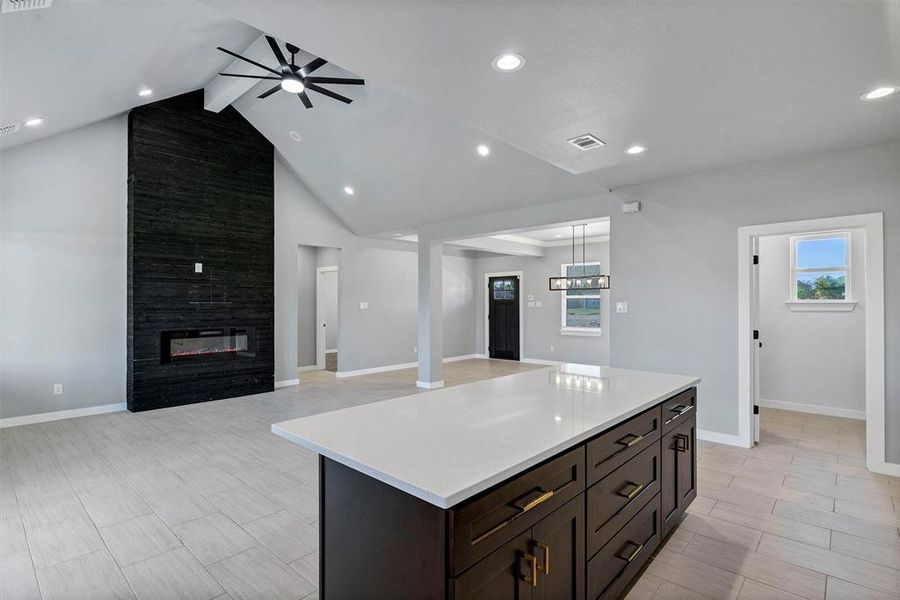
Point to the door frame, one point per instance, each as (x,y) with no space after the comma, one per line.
(320,313)
(872,225)
(487,310)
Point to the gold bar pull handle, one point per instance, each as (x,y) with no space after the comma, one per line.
(531,578)
(630,557)
(524,504)
(630,440)
(544,566)
(635,490)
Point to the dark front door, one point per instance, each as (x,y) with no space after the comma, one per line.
(503,317)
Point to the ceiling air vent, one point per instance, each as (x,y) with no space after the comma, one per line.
(587,142)
(7,130)
(10,6)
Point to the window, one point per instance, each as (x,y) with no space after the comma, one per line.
(581,308)
(820,267)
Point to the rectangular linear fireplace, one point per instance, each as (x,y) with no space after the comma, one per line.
(222,343)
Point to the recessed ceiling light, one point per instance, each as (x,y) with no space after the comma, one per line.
(34,122)
(145,92)
(292,84)
(558,235)
(349,190)
(507,63)
(295,135)
(879,92)
(636,149)
(483,149)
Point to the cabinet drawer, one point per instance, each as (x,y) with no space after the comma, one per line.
(613,501)
(613,567)
(679,408)
(617,446)
(483,524)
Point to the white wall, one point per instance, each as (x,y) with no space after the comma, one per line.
(542,324)
(63,233)
(811,358)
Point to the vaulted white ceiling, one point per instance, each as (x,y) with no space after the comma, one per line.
(79,62)
(701,84)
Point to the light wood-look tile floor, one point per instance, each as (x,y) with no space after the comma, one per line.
(195,502)
(796,517)
(203,502)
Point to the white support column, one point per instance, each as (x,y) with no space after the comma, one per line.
(431,315)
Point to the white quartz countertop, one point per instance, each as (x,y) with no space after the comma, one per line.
(447,445)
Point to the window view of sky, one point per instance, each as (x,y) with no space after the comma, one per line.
(829,252)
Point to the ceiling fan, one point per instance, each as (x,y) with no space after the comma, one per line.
(294,79)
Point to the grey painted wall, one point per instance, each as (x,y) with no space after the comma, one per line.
(814,358)
(63,209)
(675,263)
(381,273)
(542,324)
(307,258)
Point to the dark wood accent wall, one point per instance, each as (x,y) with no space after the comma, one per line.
(200,190)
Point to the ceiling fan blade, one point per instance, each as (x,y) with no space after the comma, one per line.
(249,76)
(279,55)
(329,93)
(312,66)
(270,92)
(305,99)
(252,62)
(340,80)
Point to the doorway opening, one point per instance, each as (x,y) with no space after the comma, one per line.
(318,339)
(811,335)
(503,315)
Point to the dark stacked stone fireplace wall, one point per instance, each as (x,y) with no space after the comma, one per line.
(200,190)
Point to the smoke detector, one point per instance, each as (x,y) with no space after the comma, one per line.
(7,130)
(586,142)
(10,6)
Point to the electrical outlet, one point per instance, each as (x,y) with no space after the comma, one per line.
(415,349)
(57,389)
(552,348)
(363,306)
(621,307)
(531,304)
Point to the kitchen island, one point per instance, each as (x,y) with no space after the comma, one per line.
(552,483)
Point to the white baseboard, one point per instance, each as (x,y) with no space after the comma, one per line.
(541,361)
(398,367)
(430,385)
(330,350)
(720,438)
(885,468)
(286,383)
(847,413)
(61,414)
(309,368)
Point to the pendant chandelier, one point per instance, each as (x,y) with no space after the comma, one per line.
(584,281)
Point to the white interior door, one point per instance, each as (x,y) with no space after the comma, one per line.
(756,338)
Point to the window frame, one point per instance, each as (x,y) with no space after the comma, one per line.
(794,270)
(564,295)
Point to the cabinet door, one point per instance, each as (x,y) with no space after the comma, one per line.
(558,544)
(669,457)
(500,575)
(687,464)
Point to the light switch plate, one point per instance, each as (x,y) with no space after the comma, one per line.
(57,389)
(631,207)
(198,267)
(363,305)
(621,307)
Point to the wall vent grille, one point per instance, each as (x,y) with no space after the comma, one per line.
(586,142)
(10,6)
(7,130)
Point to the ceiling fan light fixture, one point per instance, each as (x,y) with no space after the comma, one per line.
(292,84)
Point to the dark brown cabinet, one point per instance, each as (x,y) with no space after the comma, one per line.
(581,524)
(679,472)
